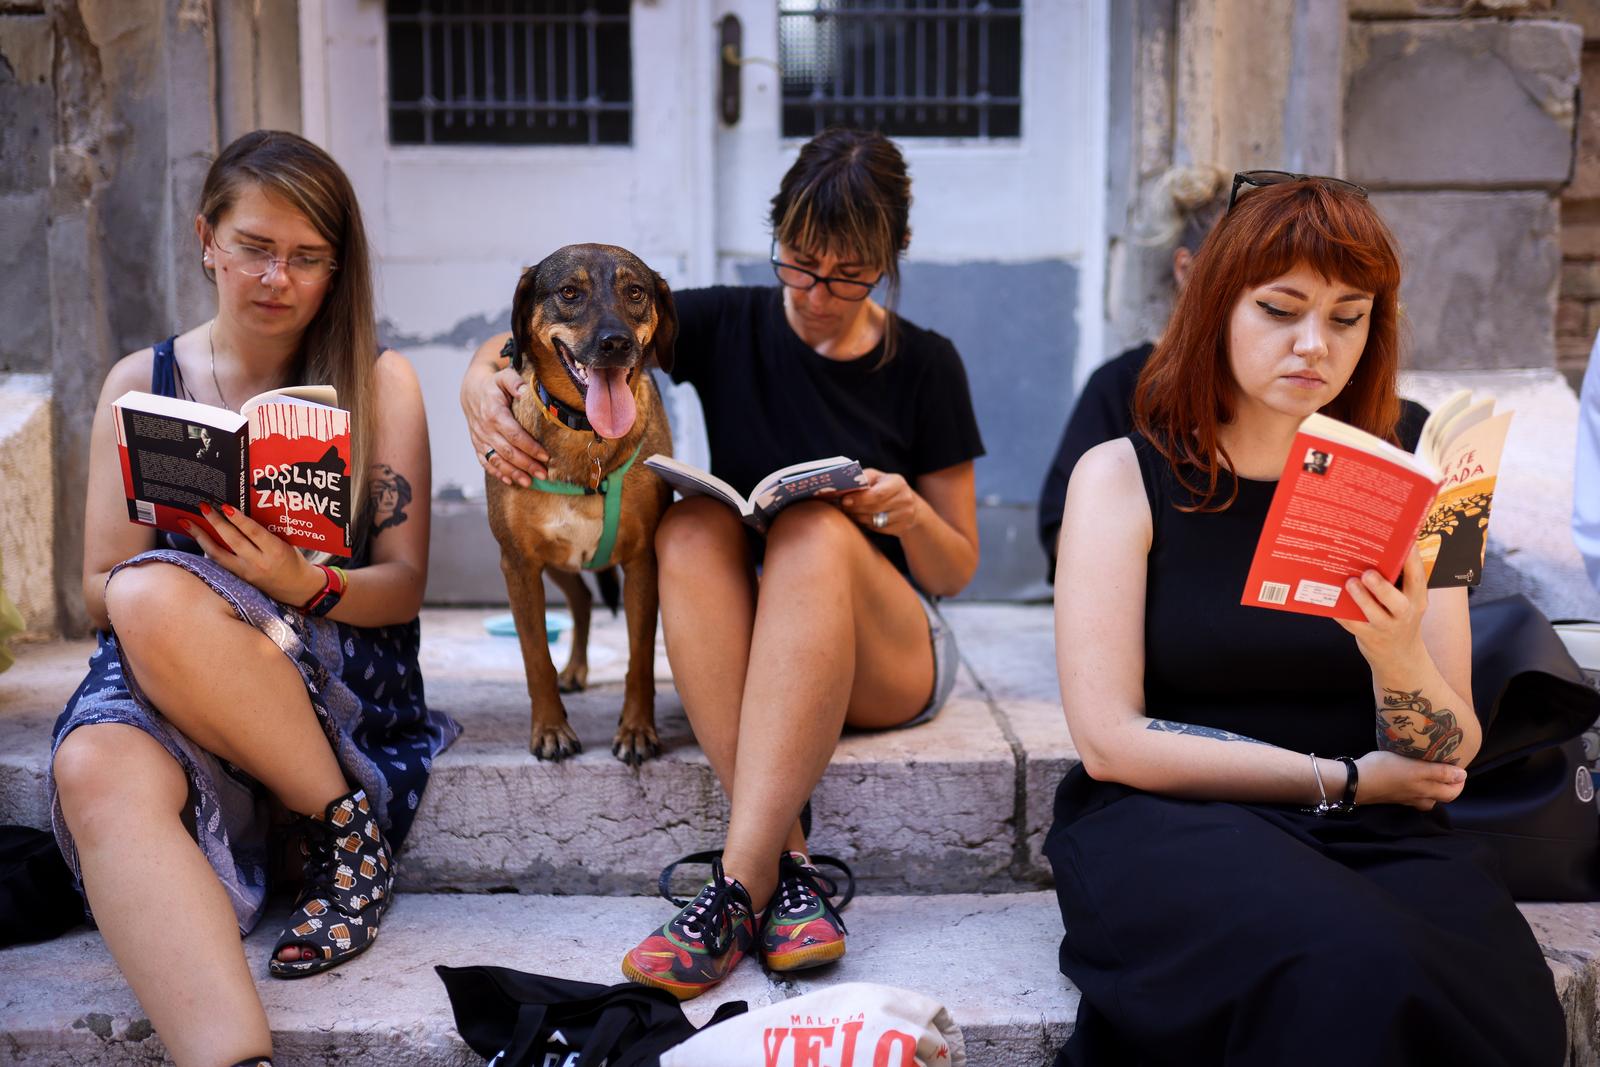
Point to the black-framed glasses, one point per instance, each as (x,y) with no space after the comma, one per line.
(1257,179)
(258,263)
(795,277)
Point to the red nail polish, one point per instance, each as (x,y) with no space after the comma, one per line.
(229,509)
(205,509)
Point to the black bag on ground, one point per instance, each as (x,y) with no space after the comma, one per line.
(516,1019)
(1529,796)
(37,897)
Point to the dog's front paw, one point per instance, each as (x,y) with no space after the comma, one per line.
(555,742)
(635,744)
(573,677)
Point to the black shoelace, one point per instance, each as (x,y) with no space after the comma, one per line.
(322,858)
(706,919)
(802,887)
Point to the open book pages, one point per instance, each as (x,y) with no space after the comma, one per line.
(800,481)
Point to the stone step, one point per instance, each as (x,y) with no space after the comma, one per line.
(65,1002)
(958,805)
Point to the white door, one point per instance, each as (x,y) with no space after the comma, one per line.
(481,134)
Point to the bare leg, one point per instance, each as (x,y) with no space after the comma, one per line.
(191,671)
(828,602)
(266,727)
(708,610)
(164,915)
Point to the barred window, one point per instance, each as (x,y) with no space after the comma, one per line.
(509,72)
(909,68)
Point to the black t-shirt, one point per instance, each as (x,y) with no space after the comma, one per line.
(1104,412)
(770,400)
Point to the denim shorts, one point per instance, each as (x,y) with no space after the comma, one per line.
(946,661)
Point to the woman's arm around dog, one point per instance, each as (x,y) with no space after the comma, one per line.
(1100,595)
(487,390)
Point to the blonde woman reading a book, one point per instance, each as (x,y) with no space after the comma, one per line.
(1249,861)
(778,642)
(233,673)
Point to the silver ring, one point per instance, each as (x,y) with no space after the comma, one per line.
(880,520)
(487,456)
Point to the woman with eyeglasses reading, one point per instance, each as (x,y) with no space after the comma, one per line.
(236,674)
(1249,862)
(776,644)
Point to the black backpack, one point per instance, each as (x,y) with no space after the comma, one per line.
(1529,796)
(515,1019)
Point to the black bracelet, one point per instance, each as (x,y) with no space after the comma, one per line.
(1347,803)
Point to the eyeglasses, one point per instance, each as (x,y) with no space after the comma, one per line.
(794,277)
(258,263)
(1257,179)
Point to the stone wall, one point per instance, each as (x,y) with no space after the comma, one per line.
(1578,312)
(1462,127)
(110,113)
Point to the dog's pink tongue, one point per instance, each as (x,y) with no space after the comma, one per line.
(609,402)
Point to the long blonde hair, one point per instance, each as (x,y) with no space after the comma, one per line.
(340,345)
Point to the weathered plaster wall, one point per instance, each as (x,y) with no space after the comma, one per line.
(109,117)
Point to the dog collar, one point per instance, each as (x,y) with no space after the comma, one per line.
(610,490)
(567,415)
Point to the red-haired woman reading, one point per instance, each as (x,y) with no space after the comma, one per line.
(1249,861)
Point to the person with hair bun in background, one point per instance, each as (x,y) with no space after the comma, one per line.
(1193,198)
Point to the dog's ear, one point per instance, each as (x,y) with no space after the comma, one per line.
(665,339)
(521,309)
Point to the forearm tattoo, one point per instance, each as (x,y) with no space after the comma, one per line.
(1409,724)
(1166,726)
(388,496)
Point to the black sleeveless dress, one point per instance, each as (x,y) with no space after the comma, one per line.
(1209,932)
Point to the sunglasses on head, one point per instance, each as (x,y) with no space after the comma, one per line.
(1258,179)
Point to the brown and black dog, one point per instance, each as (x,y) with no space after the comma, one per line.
(585,323)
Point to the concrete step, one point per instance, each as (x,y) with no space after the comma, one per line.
(65,1002)
(958,805)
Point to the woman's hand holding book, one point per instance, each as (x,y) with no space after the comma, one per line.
(257,555)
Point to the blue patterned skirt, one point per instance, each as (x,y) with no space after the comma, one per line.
(364,685)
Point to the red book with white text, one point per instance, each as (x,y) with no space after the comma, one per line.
(283,459)
(1348,502)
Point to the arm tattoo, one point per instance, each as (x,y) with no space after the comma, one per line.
(1409,725)
(1166,726)
(389,494)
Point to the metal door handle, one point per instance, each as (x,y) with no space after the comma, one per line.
(731,32)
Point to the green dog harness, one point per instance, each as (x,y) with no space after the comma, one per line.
(611,491)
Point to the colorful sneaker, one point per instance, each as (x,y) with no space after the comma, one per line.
(701,944)
(802,928)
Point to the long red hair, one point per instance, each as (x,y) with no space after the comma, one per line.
(1186,391)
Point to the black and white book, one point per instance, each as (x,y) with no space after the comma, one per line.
(802,481)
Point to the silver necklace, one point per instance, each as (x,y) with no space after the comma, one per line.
(211,343)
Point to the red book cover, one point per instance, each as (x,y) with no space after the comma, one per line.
(1339,509)
(285,462)
(299,459)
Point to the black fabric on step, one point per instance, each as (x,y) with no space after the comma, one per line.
(37,897)
(1529,797)
(524,1018)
